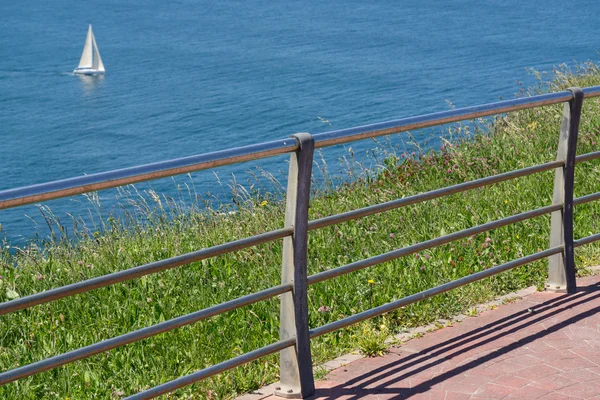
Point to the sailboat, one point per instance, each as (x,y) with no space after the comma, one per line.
(90,63)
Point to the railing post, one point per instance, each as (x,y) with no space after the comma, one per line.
(296,375)
(561,267)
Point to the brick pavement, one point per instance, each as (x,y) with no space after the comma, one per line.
(545,346)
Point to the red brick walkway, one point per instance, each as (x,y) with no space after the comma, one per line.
(545,346)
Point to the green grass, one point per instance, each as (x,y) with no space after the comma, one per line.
(157,227)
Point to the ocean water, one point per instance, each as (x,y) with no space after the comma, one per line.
(187,77)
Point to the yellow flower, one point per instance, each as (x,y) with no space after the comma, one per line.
(517,236)
(371,282)
(263,203)
(505,201)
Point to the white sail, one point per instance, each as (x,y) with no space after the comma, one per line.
(97,60)
(86,57)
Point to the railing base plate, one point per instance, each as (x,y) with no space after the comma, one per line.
(555,289)
(287,392)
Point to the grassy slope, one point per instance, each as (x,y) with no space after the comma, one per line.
(516,141)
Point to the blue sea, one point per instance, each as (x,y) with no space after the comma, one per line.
(187,77)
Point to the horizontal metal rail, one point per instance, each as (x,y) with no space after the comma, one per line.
(369,262)
(586,240)
(587,157)
(110,179)
(213,370)
(109,344)
(356,318)
(592,91)
(434,194)
(136,272)
(586,199)
(438,118)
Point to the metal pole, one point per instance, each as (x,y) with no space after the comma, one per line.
(296,376)
(561,267)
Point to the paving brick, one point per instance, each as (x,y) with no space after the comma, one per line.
(555,382)
(525,361)
(539,346)
(506,367)
(492,391)
(430,395)
(582,375)
(537,372)
(565,344)
(592,355)
(529,392)
(511,381)
(557,396)
(583,390)
(460,387)
(569,364)
(582,333)
(457,396)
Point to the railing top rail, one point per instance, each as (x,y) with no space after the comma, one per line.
(592,91)
(126,176)
(438,118)
(110,179)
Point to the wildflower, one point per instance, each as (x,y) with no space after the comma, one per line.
(517,236)
(417,255)
(488,240)
(39,277)
(505,201)
(422,268)
(427,256)
(149,299)
(392,235)
(371,282)
(324,309)
(79,262)
(263,203)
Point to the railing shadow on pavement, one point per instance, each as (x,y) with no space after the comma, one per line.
(381,380)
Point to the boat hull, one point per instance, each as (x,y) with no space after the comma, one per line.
(87,71)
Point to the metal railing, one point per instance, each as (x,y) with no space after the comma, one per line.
(294,345)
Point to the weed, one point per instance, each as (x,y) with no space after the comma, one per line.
(372,338)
